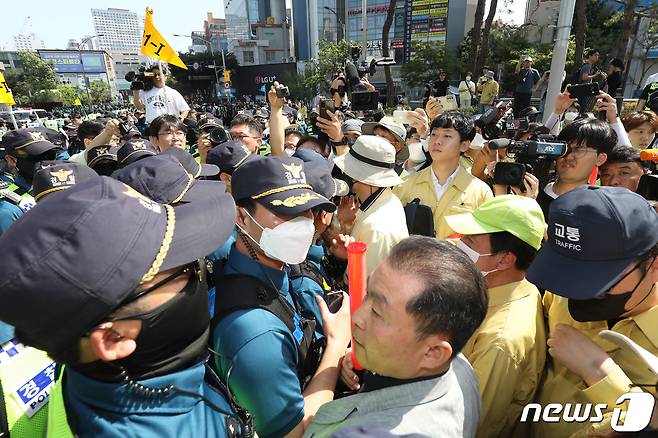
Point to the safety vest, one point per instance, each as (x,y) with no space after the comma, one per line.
(51,124)
(27,376)
(16,195)
(58,425)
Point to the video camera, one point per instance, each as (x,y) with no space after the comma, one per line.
(361,99)
(533,156)
(142,80)
(499,122)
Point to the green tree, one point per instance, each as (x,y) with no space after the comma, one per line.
(428,59)
(331,60)
(35,76)
(68,94)
(100,92)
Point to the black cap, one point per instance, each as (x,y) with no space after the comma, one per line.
(100,153)
(209,123)
(318,174)
(190,164)
(68,264)
(279,184)
(53,176)
(229,155)
(594,235)
(132,151)
(28,141)
(163,179)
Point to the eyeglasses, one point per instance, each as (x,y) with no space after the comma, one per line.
(580,151)
(170,133)
(241,136)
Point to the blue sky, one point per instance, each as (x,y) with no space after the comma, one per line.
(58,21)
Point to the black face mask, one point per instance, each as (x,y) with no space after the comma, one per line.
(609,307)
(26,166)
(173,337)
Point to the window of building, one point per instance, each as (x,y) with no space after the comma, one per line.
(248,56)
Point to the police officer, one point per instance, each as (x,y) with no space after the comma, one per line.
(131,279)
(134,150)
(266,352)
(309,278)
(24,148)
(55,176)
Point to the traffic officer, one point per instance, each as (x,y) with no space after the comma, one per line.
(131,280)
(266,351)
(24,148)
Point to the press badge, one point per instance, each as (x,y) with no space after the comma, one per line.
(34,394)
(299,332)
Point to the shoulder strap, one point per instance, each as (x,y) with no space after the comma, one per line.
(238,292)
(309,270)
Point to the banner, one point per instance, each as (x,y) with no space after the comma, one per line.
(5,92)
(154,44)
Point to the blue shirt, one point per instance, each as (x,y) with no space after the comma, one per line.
(101,409)
(9,213)
(258,356)
(305,290)
(221,254)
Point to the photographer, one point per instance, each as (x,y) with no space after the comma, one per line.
(156,98)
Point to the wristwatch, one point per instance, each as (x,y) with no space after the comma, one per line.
(341,142)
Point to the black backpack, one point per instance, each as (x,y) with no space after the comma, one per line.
(240,291)
(420,219)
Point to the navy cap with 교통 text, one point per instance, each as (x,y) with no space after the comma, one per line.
(594,235)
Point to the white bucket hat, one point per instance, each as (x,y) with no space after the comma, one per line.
(397,129)
(371,160)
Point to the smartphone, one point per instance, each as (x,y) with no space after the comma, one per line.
(448,103)
(401,116)
(326,105)
(282,92)
(583,90)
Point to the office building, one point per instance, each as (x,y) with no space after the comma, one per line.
(28,42)
(215,31)
(121,30)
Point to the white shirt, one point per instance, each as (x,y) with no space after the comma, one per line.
(440,189)
(159,101)
(549,190)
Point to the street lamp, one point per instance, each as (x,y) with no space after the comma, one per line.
(212,54)
(340,20)
(84,73)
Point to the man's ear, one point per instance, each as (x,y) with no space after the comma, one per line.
(108,345)
(464,146)
(240,218)
(508,261)
(438,353)
(10,160)
(601,158)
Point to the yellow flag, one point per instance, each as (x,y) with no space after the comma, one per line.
(5,92)
(77,102)
(154,44)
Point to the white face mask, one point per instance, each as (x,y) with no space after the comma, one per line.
(416,153)
(288,242)
(474,255)
(570,116)
(289,152)
(468,78)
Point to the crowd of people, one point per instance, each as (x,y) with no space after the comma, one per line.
(181,272)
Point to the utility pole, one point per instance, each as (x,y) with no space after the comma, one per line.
(559,55)
(364,29)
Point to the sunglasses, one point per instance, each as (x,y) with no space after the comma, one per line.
(340,90)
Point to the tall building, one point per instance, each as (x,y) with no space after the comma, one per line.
(121,29)
(28,42)
(414,20)
(216,32)
(88,43)
(258,32)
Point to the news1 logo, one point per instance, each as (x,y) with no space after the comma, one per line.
(637,416)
